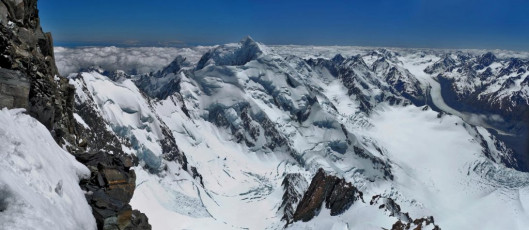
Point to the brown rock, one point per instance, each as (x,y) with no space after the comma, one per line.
(337,194)
(127,162)
(124,219)
(114,176)
(120,184)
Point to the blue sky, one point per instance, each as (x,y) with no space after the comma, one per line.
(402,23)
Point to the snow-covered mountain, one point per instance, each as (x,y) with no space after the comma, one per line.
(248,136)
(258,137)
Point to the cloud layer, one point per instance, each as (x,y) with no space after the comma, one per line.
(138,60)
(134,60)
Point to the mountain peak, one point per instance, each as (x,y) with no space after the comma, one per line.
(246,51)
(175,66)
(487,59)
(249,47)
(247,39)
(338,58)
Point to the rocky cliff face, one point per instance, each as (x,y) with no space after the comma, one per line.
(294,185)
(14,89)
(110,189)
(404,220)
(27,52)
(337,194)
(29,79)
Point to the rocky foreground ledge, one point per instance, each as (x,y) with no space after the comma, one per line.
(29,79)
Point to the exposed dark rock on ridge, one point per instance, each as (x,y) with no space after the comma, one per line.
(112,182)
(390,206)
(417,224)
(293,184)
(28,52)
(359,79)
(337,194)
(109,190)
(14,89)
(29,79)
(163,83)
(404,222)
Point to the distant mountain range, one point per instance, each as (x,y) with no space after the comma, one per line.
(249,136)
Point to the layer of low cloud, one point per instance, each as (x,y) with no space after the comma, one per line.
(138,60)
(133,60)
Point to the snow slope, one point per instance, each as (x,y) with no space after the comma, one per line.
(39,181)
(247,115)
(438,171)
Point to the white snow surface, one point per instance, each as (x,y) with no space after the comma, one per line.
(436,171)
(80,120)
(437,161)
(39,181)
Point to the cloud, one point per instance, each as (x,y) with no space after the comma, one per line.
(133,60)
(481,119)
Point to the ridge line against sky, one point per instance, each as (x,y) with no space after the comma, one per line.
(456,24)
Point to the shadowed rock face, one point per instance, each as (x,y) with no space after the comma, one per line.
(29,79)
(109,190)
(28,52)
(14,89)
(417,224)
(337,194)
(293,184)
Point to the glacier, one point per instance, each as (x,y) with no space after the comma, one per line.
(232,139)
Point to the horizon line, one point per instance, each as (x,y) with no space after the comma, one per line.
(161,44)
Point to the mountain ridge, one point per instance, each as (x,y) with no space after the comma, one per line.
(296,115)
(270,133)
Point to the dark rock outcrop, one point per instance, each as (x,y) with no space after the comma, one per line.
(417,224)
(446,63)
(27,50)
(293,184)
(360,79)
(389,205)
(112,181)
(163,83)
(109,190)
(486,59)
(337,194)
(14,89)
(404,222)
(29,79)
